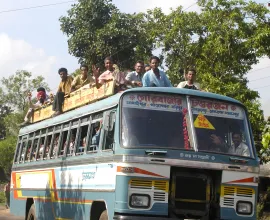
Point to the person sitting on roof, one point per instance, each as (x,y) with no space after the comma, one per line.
(155,77)
(42,99)
(63,90)
(83,79)
(112,73)
(190,83)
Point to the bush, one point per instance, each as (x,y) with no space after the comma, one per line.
(2,197)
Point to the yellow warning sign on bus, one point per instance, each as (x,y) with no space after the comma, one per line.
(202,122)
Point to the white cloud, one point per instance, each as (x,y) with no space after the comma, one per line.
(20,55)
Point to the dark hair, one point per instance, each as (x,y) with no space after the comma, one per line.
(146,65)
(237,133)
(191,70)
(41,89)
(140,62)
(154,58)
(62,70)
(85,66)
(108,58)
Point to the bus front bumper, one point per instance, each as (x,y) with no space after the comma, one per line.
(122,217)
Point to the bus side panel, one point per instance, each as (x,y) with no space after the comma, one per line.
(17,207)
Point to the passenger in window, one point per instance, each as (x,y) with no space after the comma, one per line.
(71,144)
(83,79)
(55,145)
(112,73)
(96,137)
(238,147)
(42,100)
(63,90)
(135,78)
(155,77)
(190,83)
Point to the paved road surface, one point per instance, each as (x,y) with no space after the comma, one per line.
(4,214)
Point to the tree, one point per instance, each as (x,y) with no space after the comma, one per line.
(97,29)
(7,149)
(222,42)
(15,88)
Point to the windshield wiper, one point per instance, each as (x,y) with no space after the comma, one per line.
(155,152)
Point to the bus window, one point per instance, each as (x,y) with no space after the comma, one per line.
(41,147)
(47,147)
(82,140)
(94,136)
(34,150)
(55,145)
(221,128)
(23,151)
(109,140)
(62,145)
(71,143)
(29,145)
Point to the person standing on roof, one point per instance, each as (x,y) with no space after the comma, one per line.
(190,81)
(135,78)
(64,89)
(155,77)
(83,79)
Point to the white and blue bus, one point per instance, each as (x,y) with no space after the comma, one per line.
(146,153)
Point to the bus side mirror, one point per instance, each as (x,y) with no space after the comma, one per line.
(109,119)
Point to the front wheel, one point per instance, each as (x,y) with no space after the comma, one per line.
(32,213)
(104,215)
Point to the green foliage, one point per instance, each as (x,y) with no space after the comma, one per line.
(7,149)
(265,150)
(2,197)
(15,88)
(222,42)
(97,29)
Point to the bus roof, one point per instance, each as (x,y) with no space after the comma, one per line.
(114,100)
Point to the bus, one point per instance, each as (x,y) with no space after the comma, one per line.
(145,153)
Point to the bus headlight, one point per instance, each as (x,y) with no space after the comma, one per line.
(139,201)
(244,208)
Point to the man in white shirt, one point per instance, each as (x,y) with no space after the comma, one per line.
(190,83)
(238,147)
(135,78)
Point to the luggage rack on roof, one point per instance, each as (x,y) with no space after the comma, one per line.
(78,98)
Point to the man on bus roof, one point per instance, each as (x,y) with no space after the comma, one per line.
(42,99)
(190,83)
(64,89)
(135,78)
(112,73)
(83,79)
(155,77)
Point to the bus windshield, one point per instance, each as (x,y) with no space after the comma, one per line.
(160,121)
(155,121)
(221,127)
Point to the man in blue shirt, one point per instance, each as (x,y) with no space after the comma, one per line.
(155,77)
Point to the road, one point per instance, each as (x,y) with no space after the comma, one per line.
(4,215)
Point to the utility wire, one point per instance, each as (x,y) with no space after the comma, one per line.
(38,6)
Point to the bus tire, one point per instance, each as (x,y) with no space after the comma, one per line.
(104,215)
(32,213)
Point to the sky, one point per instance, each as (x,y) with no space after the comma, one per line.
(32,40)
